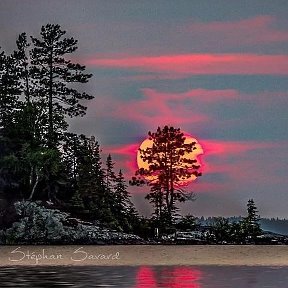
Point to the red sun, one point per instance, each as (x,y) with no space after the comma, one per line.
(194,155)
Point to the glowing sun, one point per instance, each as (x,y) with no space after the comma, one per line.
(193,155)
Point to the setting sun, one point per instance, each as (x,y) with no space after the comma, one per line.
(194,155)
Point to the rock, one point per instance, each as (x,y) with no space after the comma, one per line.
(41,225)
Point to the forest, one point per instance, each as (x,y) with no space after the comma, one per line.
(40,158)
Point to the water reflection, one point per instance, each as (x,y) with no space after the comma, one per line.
(170,277)
(145,276)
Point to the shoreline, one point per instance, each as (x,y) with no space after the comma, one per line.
(137,255)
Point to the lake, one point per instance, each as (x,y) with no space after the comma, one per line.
(145,276)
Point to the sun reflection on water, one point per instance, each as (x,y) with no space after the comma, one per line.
(174,277)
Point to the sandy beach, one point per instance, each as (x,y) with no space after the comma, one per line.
(144,255)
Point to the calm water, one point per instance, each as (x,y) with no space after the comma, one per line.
(145,276)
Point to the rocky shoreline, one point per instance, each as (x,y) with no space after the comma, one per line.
(35,224)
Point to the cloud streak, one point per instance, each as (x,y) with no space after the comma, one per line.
(157,108)
(257,30)
(198,64)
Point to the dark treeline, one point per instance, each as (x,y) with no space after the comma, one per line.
(275,225)
(39,158)
(236,230)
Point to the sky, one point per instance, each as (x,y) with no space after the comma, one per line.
(216,69)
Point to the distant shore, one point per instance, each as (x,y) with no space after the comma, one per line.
(250,255)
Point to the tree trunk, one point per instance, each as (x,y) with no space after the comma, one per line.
(50,103)
(35,185)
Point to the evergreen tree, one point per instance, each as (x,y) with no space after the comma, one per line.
(9,91)
(91,174)
(124,209)
(156,198)
(238,233)
(251,222)
(9,141)
(168,167)
(221,229)
(70,148)
(54,73)
(86,177)
(21,56)
(187,222)
(122,196)
(32,118)
(45,163)
(110,177)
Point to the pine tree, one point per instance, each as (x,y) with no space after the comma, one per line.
(167,168)
(122,196)
(110,176)
(45,163)
(89,172)
(22,59)
(156,198)
(9,90)
(54,73)
(187,222)
(32,119)
(251,222)
(124,209)
(10,142)
(221,229)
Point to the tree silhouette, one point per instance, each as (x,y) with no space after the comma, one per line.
(123,208)
(221,229)
(53,72)
(21,56)
(9,90)
(121,194)
(251,222)
(168,166)
(110,177)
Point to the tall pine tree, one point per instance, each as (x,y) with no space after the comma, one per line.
(251,222)
(168,167)
(9,90)
(57,76)
(124,209)
(110,176)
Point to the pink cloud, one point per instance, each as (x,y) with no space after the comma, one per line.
(242,164)
(125,156)
(129,149)
(155,107)
(229,148)
(201,95)
(182,108)
(199,64)
(252,31)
